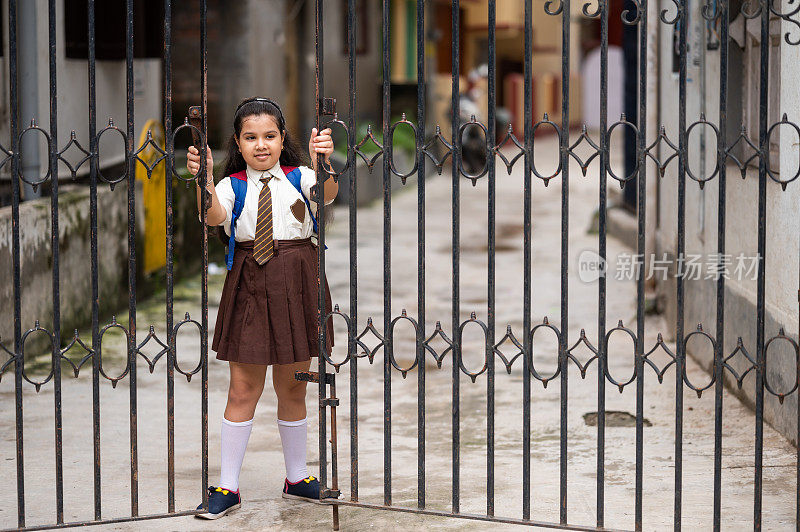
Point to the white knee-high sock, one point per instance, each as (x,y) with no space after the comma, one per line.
(293,441)
(233,442)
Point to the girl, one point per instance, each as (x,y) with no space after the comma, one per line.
(268,309)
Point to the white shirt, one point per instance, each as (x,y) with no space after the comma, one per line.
(285,226)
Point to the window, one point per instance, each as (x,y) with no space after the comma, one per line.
(110,24)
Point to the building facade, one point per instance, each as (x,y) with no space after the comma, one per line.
(741,197)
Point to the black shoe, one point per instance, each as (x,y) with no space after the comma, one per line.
(306,489)
(220,502)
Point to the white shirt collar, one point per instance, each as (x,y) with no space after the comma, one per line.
(255,175)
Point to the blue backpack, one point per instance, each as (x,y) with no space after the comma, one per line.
(239,185)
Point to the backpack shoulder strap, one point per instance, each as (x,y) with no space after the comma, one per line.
(239,185)
(293,175)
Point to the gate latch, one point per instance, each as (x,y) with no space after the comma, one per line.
(327,106)
(328,493)
(195,118)
(312,376)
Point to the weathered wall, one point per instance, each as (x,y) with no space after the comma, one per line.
(36,259)
(741,231)
(36,262)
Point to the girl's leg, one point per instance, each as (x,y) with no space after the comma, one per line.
(246,385)
(244,390)
(292,417)
(291,393)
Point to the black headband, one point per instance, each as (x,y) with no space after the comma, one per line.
(265,100)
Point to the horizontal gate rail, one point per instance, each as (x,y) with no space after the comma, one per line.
(472,517)
(136,518)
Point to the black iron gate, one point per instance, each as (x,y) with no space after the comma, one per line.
(365,341)
(662,151)
(150,347)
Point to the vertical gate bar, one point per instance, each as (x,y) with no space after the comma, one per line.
(564,325)
(57,411)
(170,162)
(352,176)
(421,253)
(204,302)
(93,161)
(641,252)
(526,295)
(322,334)
(320,92)
(18,354)
(720,332)
(387,264)
(456,256)
(680,357)
(334,451)
(132,346)
(323,316)
(602,358)
(763,146)
(490,258)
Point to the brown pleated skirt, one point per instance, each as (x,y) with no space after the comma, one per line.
(268,314)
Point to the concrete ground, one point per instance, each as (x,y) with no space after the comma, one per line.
(262,474)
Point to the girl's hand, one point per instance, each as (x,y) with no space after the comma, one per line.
(322,143)
(193,163)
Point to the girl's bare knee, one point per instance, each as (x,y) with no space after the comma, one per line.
(243,396)
(245,387)
(292,390)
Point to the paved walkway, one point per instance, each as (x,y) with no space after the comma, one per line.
(263,469)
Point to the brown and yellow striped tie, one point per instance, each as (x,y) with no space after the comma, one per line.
(263,248)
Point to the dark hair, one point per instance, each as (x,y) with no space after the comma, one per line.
(292,154)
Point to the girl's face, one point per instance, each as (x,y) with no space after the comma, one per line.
(260,141)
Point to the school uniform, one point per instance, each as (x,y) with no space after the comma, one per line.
(268,314)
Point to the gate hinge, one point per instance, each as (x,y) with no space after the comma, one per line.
(329,401)
(327,106)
